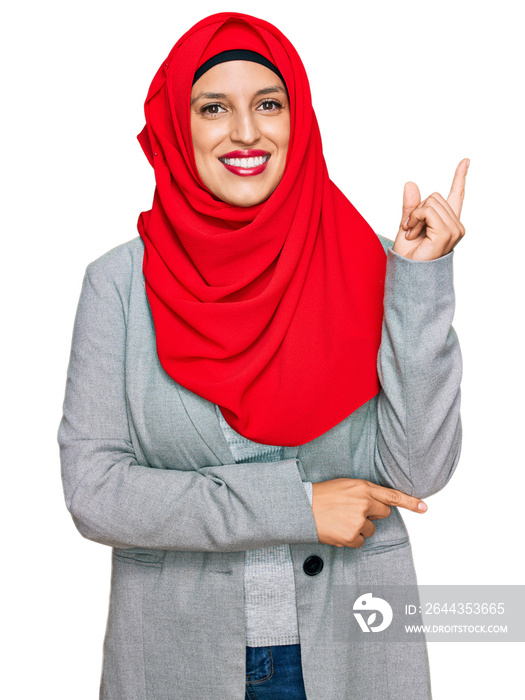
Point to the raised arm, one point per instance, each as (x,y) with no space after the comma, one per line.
(116,500)
(418,435)
(419,362)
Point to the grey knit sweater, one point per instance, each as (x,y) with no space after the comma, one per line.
(269,585)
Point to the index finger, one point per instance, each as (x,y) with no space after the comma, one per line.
(393,497)
(457,191)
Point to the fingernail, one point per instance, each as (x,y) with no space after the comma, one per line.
(405,222)
(422,506)
(468,163)
(408,233)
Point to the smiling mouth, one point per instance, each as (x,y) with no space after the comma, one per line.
(245,165)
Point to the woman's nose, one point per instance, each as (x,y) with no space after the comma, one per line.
(244,128)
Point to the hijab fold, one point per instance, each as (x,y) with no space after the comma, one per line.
(273,311)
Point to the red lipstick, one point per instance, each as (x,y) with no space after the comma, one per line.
(246,162)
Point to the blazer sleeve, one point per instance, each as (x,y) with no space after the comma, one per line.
(418,438)
(117,501)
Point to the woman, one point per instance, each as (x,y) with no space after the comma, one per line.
(225,429)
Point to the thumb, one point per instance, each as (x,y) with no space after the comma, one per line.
(411,199)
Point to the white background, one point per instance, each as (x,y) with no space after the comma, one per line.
(403,91)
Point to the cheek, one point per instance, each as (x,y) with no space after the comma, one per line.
(199,143)
(283,149)
(202,136)
(286,131)
(282,137)
(279,133)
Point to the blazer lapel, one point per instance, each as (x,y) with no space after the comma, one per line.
(204,418)
(203,415)
(290,452)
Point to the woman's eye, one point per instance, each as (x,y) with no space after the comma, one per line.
(270,105)
(212,109)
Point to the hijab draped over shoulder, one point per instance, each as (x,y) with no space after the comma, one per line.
(273,311)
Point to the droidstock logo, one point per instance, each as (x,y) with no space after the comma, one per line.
(369,603)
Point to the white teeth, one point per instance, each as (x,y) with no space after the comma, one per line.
(245,162)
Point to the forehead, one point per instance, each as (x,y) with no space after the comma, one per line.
(236,77)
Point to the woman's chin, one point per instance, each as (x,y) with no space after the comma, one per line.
(251,202)
(245,199)
(243,191)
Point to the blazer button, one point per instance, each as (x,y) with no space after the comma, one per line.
(313,565)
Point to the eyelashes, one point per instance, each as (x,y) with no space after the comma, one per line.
(212,109)
(216,108)
(274,103)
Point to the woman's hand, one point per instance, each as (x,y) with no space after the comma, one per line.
(344,509)
(431,228)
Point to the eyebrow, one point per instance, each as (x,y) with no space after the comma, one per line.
(221,95)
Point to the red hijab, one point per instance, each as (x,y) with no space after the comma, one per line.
(272,311)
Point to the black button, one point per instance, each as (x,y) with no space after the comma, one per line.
(313,565)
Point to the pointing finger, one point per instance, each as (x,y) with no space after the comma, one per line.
(411,199)
(393,497)
(457,191)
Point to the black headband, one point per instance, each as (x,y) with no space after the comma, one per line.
(236,55)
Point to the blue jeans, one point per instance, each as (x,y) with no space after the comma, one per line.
(274,673)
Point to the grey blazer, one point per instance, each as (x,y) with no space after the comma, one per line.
(147,471)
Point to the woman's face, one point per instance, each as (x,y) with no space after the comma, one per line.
(240,127)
